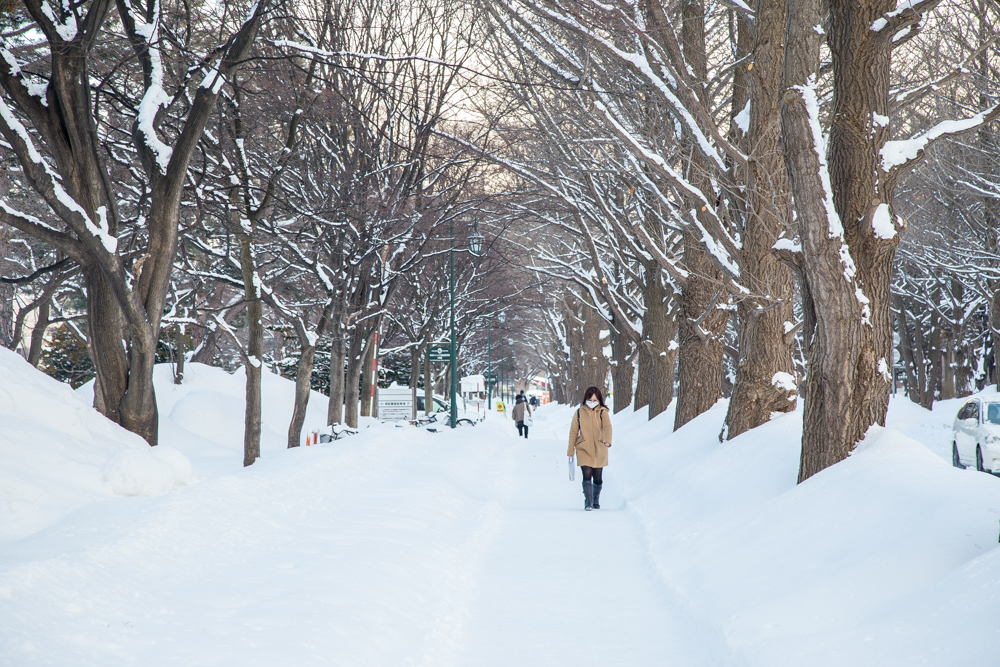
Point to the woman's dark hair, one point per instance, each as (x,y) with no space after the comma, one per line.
(593,391)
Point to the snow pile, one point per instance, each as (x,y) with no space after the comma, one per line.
(59,454)
(888,558)
(364,551)
(203,417)
(143,472)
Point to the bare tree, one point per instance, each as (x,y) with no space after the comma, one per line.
(63,158)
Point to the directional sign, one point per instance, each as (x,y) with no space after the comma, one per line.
(439,353)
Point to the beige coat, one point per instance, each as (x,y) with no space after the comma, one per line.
(589,437)
(517,414)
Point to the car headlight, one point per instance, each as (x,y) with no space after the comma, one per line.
(992,439)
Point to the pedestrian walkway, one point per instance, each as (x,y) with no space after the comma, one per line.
(560,586)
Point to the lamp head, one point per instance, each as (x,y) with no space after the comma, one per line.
(476,243)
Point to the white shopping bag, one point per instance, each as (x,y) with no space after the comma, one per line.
(572,470)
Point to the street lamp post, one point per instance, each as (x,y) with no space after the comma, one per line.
(502,396)
(451,285)
(510,344)
(476,248)
(502,317)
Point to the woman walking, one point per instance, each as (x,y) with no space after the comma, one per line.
(517,414)
(589,439)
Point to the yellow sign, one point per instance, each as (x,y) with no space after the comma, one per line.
(500,407)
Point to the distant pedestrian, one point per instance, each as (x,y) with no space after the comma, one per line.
(589,440)
(517,414)
(533,401)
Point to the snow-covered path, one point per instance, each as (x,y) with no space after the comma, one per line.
(559,586)
(394,547)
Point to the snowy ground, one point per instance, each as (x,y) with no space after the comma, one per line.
(401,547)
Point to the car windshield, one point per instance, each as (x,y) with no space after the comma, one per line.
(993,413)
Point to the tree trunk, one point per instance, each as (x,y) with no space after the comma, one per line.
(936,355)
(6,289)
(906,349)
(622,370)
(701,332)
(179,346)
(338,354)
(43,304)
(414,379)
(303,385)
(595,364)
(574,337)
(303,374)
(357,354)
(833,317)
(995,335)
(645,368)
(702,324)
(38,332)
(956,368)
(764,348)
(207,348)
(367,402)
(861,76)
(558,391)
(255,353)
(106,333)
(948,370)
(922,350)
(659,327)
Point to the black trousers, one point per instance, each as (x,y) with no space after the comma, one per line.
(520,426)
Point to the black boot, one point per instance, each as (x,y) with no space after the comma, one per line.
(588,494)
(597,495)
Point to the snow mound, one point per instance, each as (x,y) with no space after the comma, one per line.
(887,558)
(203,418)
(59,454)
(214,415)
(144,472)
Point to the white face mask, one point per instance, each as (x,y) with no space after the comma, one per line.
(592,403)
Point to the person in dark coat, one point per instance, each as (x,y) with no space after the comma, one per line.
(517,414)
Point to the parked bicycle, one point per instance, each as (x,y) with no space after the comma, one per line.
(435,421)
(337,432)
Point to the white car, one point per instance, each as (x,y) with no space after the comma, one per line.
(976,435)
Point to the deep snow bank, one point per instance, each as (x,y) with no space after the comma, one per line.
(888,558)
(59,454)
(357,552)
(203,417)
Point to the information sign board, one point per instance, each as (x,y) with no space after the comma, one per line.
(394,408)
(439,353)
